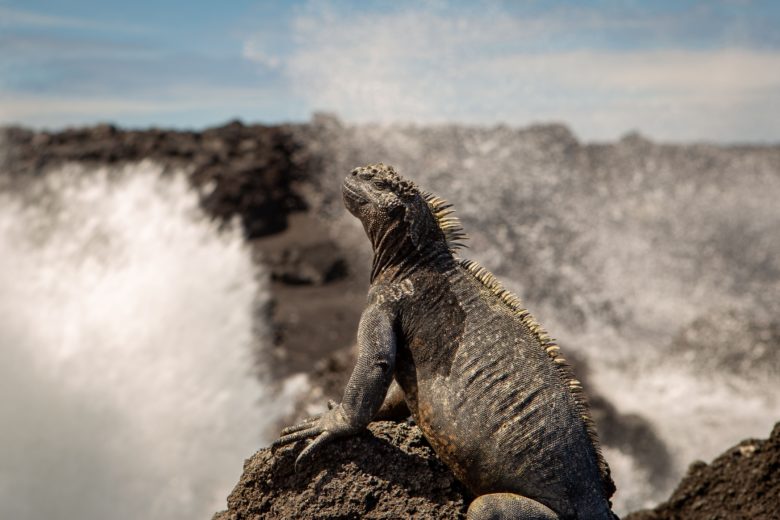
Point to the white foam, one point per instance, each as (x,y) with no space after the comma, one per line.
(697,417)
(127,323)
(633,491)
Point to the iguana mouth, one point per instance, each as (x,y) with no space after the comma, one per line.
(349,189)
(353,196)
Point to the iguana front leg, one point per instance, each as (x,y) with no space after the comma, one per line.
(365,390)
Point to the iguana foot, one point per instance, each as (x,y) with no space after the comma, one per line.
(324,427)
(508,506)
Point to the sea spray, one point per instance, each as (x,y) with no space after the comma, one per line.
(628,253)
(697,417)
(128,333)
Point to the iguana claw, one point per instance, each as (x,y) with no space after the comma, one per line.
(324,427)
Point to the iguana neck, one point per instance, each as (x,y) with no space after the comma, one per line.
(397,255)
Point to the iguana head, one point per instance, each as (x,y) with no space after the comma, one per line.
(399,219)
(377,193)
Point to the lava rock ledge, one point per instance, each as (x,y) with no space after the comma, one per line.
(389,471)
(741,484)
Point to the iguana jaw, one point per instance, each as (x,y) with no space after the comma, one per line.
(353,199)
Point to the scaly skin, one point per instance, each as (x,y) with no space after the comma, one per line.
(483,381)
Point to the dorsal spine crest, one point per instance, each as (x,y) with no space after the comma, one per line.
(553,351)
(449,224)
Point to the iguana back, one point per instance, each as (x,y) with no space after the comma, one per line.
(493,395)
(487,386)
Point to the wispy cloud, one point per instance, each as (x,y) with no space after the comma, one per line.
(170,107)
(691,70)
(12,17)
(256,53)
(70,70)
(422,65)
(32,48)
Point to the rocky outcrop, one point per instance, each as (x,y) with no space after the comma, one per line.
(240,170)
(389,471)
(743,483)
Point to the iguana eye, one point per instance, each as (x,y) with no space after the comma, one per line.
(380,184)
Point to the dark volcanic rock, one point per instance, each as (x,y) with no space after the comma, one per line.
(314,264)
(240,170)
(743,483)
(391,472)
(388,472)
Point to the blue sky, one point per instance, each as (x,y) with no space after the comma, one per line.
(674,70)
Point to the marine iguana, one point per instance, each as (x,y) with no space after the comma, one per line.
(485,383)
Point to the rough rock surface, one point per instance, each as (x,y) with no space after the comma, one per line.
(240,170)
(391,472)
(743,483)
(388,472)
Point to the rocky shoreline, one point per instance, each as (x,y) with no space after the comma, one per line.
(271,178)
